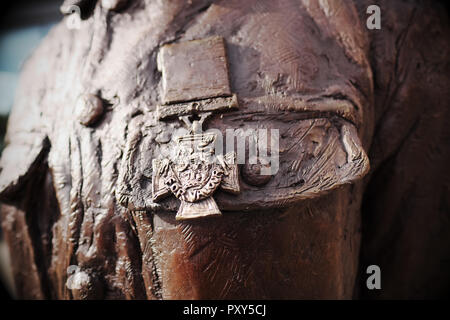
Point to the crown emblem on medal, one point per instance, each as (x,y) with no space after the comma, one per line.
(195,85)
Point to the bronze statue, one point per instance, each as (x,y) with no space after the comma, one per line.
(119,181)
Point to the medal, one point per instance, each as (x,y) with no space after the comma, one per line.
(195,85)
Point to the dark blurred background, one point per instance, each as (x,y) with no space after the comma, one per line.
(23,24)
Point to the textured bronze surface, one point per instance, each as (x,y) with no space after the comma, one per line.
(78,201)
(89,109)
(194,70)
(219,104)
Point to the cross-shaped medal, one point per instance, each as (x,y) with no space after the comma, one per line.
(195,85)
